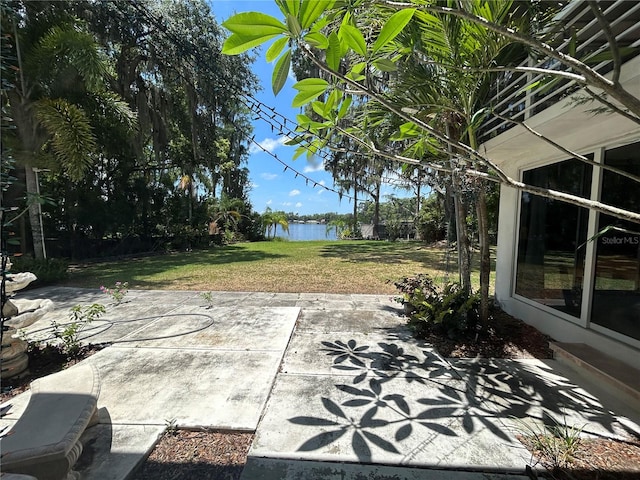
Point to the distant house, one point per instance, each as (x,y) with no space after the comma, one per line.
(548,273)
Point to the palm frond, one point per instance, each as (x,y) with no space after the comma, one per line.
(71,138)
(65,46)
(112,107)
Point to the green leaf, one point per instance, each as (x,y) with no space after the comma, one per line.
(309,89)
(307,125)
(385,65)
(355,73)
(393,27)
(407,130)
(333,52)
(310,10)
(316,39)
(359,67)
(299,151)
(237,44)
(354,38)
(344,107)
(72,140)
(281,72)
(254,24)
(275,49)
(333,99)
(319,108)
(309,84)
(291,7)
(294,26)
(303,98)
(294,141)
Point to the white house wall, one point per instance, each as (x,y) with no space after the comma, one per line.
(517,150)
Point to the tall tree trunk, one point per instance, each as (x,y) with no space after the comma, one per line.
(483,238)
(418,201)
(31,143)
(462,235)
(35,216)
(355,202)
(485,256)
(376,212)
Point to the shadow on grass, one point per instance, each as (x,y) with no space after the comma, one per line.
(386,252)
(125,270)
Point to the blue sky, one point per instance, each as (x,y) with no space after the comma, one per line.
(271,185)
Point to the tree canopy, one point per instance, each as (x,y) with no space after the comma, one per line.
(130,111)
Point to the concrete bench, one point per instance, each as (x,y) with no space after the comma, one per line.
(45,441)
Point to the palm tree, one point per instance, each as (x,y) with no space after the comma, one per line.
(434,84)
(279,218)
(271,220)
(337,225)
(58,89)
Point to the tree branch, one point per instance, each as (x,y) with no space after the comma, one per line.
(392,108)
(541,71)
(611,39)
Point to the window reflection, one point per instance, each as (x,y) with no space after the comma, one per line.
(616,295)
(552,234)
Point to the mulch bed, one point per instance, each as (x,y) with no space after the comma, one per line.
(594,459)
(506,337)
(186,455)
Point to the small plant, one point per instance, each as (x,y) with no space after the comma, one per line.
(118,292)
(555,442)
(69,333)
(207,297)
(171,426)
(426,304)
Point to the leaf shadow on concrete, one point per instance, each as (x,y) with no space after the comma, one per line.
(472,397)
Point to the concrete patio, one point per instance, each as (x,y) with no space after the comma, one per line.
(333,385)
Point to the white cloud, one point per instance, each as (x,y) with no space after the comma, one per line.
(269,176)
(268,144)
(269,202)
(299,204)
(294,192)
(313,166)
(287,204)
(321,190)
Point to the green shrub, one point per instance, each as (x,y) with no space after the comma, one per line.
(450,308)
(48,270)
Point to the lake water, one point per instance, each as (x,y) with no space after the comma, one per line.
(299,232)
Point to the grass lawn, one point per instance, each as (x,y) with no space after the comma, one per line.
(316,266)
